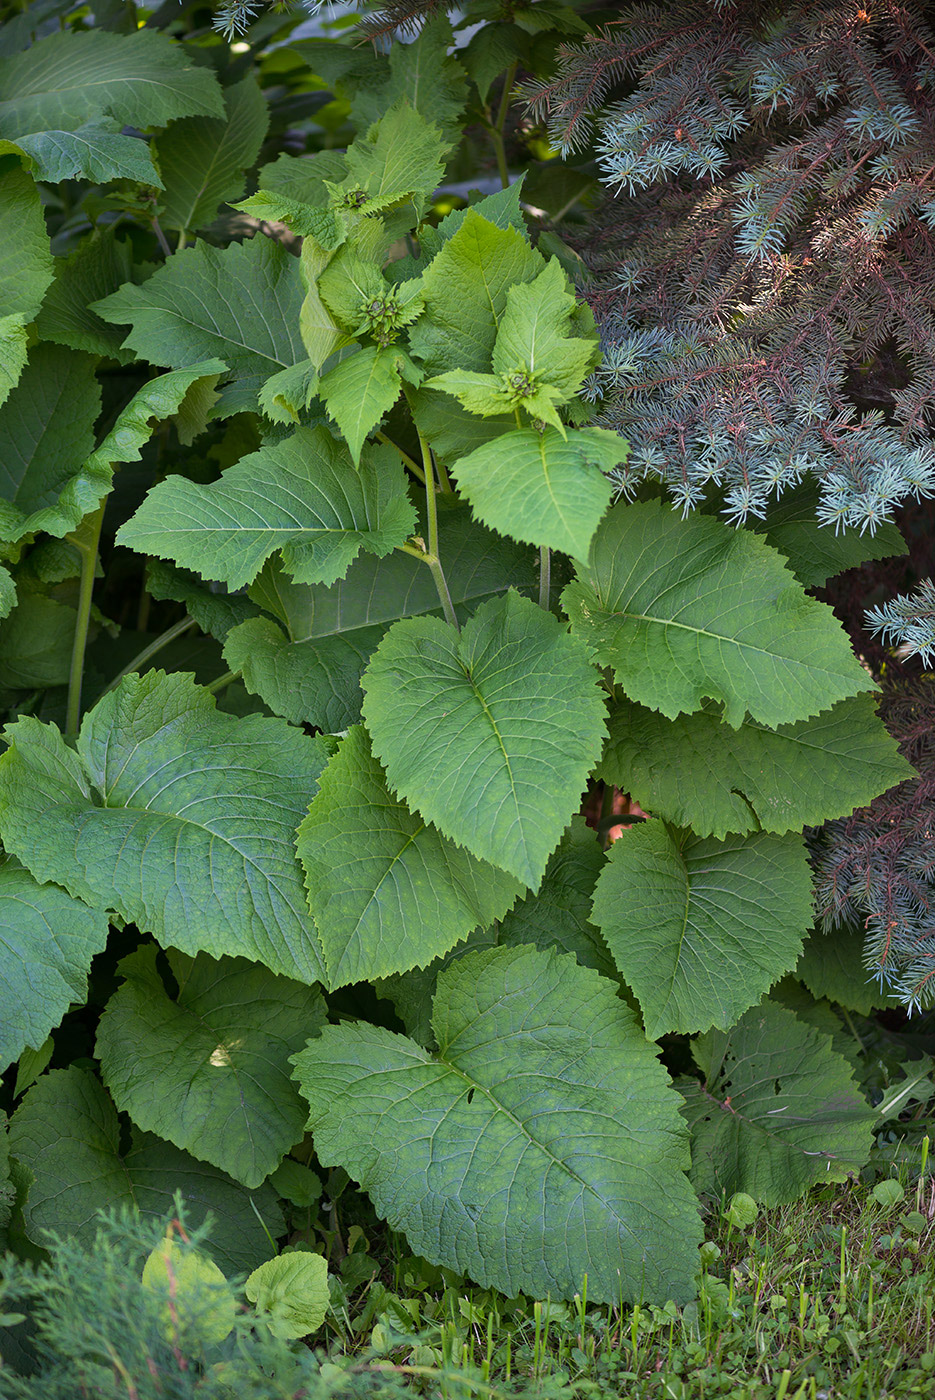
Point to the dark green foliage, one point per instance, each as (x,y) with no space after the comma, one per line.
(284,401)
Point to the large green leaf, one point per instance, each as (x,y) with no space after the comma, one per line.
(14,350)
(543,488)
(177,816)
(689,610)
(466,288)
(778,1112)
(215,613)
(360,390)
(426,74)
(387,890)
(47,941)
(98,266)
(46,434)
(71,78)
(36,642)
(412,993)
(309,667)
(203,162)
(303,178)
(208,1069)
(508,714)
(701,928)
(696,771)
(7,592)
(66,1131)
(556,918)
(558,915)
(540,1144)
(399,159)
(61,484)
(535,333)
(96,151)
(301,496)
(25,256)
(816,552)
(832,966)
(240,304)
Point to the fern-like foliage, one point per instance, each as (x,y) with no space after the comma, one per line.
(765,272)
(876,868)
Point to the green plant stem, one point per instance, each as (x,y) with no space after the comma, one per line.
(161,238)
(222,682)
(178,629)
(410,462)
(496,131)
(85,539)
(444,480)
(432,557)
(545,576)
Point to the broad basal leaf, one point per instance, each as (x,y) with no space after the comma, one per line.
(543,488)
(240,304)
(36,642)
(701,928)
(178,817)
(301,496)
(25,257)
(14,349)
(191,1290)
(290,1293)
(558,915)
(508,711)
(696,771)
(56,491)
(46,434)
(7,592)
(817,552)
(98,266)
(96,151)
(47,941)
(540,1144)
(208,1069)
(832,966)
(412,993)
(779,1111)
(203,162)
(689,610)
(465,289)
(71,78)
(215,613)
(387,890)
(66,1131)
(307,664)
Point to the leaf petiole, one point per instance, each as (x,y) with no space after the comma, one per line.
(85,539)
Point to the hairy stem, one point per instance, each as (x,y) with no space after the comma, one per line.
(545,576)
(160,237)
(85,539)
(432,556)
(496,131)
(410,462)
(222,682)
(178,629)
